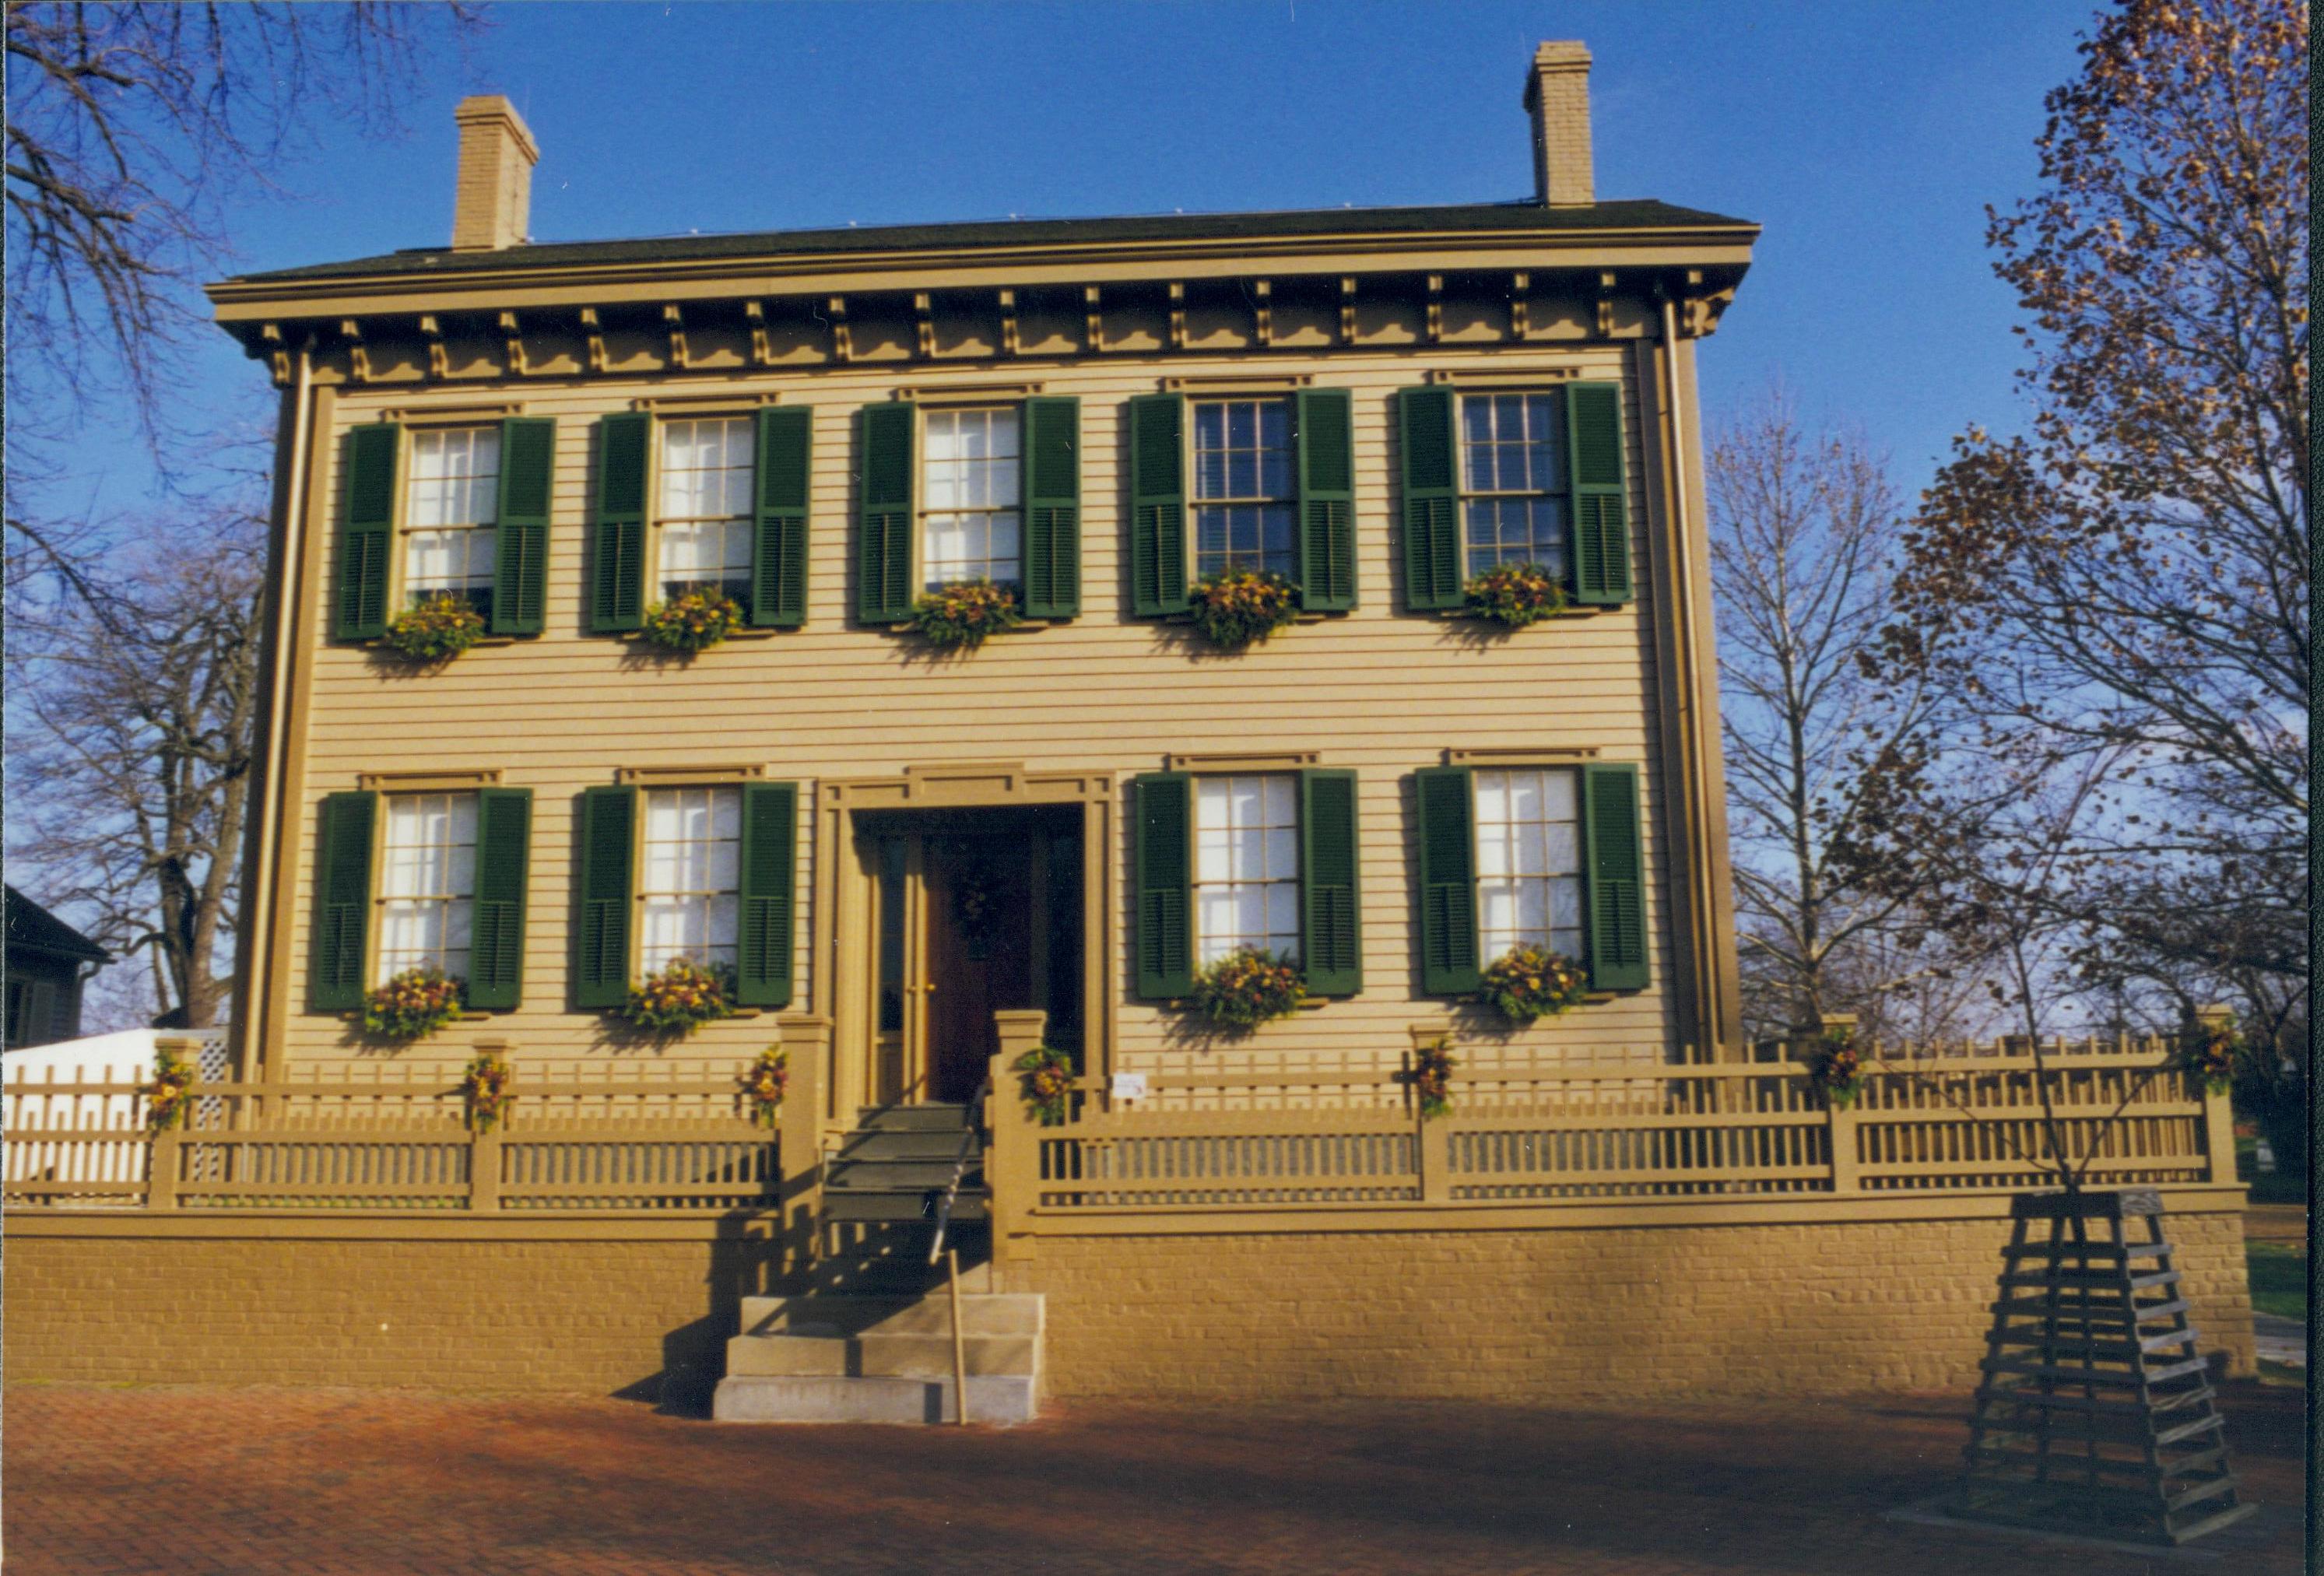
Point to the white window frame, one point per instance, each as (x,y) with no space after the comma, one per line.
(453,892)
(1274,838)
(1233,502)
(1554,399)
(989,513)
(732,579)
(481,533)
(720,904)
(1507,844)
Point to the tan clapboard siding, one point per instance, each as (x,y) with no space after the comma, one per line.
(1375,690)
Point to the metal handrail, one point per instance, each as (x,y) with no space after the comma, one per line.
(968,1145)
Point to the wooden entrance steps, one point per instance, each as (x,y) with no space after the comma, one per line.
(836,1357)
(893,1169)
(2096,1412)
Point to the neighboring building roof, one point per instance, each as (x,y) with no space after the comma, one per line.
(33,928)
(1001,234)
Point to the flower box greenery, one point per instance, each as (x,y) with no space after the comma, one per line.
(693,621)
(412,1004)
(1837,1070)
(1048,1081)
(1514,595)
(435,631)
(763,1085)
(1527,983)
(959,616)
(488,1089)
(1241,607)
(1248,987)
(1431,1078)
(169,1097)
(680,998)
(2211,1058)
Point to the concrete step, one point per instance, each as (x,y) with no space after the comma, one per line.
(980,1313)
(883,1171)
(998,1399)
(929,1357)
(924,1118)
(789,1356)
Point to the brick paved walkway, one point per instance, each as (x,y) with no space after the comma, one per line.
(339,1481)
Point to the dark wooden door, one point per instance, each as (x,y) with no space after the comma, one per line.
(980,951)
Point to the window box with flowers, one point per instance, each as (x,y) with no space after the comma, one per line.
(960,615)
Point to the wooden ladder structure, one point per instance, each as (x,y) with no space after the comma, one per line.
(2096,1414)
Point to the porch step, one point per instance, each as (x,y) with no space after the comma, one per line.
(980,1313)
(916,1357)
(898,1205)
(928,1116)
(825,1358)
(886,1172)
(938,1144)
(995,1399)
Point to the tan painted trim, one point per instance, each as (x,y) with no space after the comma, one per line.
(1567,757)
(686,776)
(942,396)
(1244,761)
(713,404)
(383,1225)
(1229,383)
(1461,378)
(410,415)
(417,782)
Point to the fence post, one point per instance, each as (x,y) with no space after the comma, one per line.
(1012,1177)
(1841,1119)
(2218,1110)
(798,1148)
(1431,1140)
(162,1166)
(484,1171)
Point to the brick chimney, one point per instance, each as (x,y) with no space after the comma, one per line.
(492,204)
(1557,96)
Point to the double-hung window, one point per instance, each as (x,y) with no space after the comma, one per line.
(1246,865)
(1514,502)
(970,496)
(1528,861)
(1246,510)
(690,877)
(428,885)
(703,513)
(449,509)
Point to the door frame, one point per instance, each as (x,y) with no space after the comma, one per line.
(843,976)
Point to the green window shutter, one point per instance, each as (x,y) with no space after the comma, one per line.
(883,544)
(1324,420)
(1331,929)
(762,977)
(496,945)
(1053,507)
(335,961)
(521,526)
(1602,525)
(617,586)
(1432,498)
(1157,504)
(366,532)
(1449,964)
(778,550)
(1162,865)
(600,942)
(1614,878)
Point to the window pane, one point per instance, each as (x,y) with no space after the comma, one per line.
(1528,858)
(690,870)
(1246,864)
(969,484)
(428,864)
(449,504)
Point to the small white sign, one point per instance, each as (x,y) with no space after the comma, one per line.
(1129,1085)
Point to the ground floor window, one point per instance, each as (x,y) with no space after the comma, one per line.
(1528,861)
(1247,865)
(427,895)
(690,877)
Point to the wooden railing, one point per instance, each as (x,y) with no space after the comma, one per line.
(1635,1128)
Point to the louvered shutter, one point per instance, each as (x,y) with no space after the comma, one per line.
(883,544)
(521,526)
(769,860)
(1432,499)
(1163,818)
(496,933)
(1157,505)
(617,586)
(601,941)
(1602,525)
(1449,964)
(335,961)
(778,547)
(1331,931)
(1614,878)
(366,532)
(1325,423)
(1052,492)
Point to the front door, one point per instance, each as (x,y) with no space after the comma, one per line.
(980,920)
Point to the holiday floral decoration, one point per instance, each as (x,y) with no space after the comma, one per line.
(169,1097)
(1837,1070)
(680,998)
(1530,982)
(1431,1078)
(693,621)
(959,616)
(487,1088)
(1242,606)
(412,1004)
(1048,1075)
(763,1085)
(1247,987)
(1514,595)
(435,630)
(2210,1055)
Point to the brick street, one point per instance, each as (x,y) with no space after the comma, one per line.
(324,1482)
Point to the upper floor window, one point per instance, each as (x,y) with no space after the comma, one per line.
(690,877)
(1244,490)
(703,511)
(1528,861)
(1514,492)
(970,498)
(1246,865)
(428,885)
(449,514)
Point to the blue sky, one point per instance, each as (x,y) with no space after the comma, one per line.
(1867,138)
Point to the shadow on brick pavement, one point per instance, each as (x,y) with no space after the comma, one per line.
(323,1482)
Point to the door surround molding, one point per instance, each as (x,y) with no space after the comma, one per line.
(841,978)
